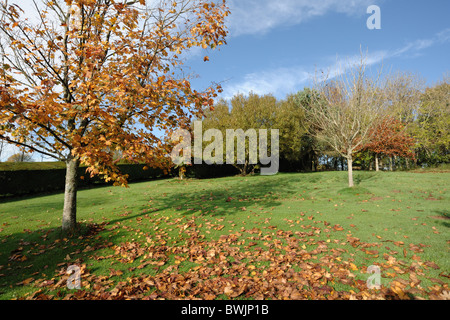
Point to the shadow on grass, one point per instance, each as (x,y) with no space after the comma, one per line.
(354,191)
(443,217)
(39,253)
(228,199)
(29,255)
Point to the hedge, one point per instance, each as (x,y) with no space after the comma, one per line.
(21,182)
(25,182)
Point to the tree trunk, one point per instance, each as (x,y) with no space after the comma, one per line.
(242,169)
(69,219)
(350,169)
(181,172)
(390,164)
(377,166)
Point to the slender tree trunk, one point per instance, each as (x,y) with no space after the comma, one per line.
(390,164)
(377,166)
(69,219)
(181,172)
(1,148)
(350,168)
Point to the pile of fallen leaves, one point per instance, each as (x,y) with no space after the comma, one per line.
(248,263)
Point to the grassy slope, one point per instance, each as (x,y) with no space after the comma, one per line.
(402,214)
(12,166)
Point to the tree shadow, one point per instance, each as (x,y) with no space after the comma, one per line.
(227,199)
(443,217)
(33,254)
(38,254)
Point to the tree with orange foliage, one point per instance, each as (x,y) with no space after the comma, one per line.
(390,139)
(91,77)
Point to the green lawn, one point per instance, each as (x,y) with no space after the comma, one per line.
(288,236)
(12,166)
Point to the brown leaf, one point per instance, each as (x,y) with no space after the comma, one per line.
(431,264)
(115,272)
(25,282)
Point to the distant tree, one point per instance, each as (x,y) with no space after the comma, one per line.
(432,126)
(306,140)
(390,139)
(403,91)
(345,110)
(247,113)
(20,157)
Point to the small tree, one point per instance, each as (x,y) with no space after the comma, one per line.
(344,111)
(390,139)
(92,75)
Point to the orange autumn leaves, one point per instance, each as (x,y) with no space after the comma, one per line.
(390,138)
(263,262)
(94,77)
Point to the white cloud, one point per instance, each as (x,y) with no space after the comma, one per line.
(284,80)
(260,16)
(414,47)
(280,81)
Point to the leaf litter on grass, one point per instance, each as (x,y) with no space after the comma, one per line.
(251,263)
(222,243)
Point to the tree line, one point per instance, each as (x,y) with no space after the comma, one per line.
(350,120)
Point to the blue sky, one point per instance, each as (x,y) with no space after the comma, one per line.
(275,46)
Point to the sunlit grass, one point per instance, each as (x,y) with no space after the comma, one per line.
(383,208)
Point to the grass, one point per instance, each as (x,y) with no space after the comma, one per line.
(51,165)
(403,215)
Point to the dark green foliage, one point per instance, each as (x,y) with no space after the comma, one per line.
(31,181)
(21,182)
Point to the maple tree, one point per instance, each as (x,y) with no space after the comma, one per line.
(390,139)
(93,77)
